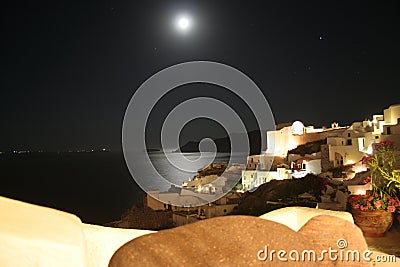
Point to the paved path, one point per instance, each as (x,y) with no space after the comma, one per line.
(389,245)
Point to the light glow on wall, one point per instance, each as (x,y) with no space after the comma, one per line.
(359,189)
(292,145)
(361,192)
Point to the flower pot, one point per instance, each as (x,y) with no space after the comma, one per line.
(373,223)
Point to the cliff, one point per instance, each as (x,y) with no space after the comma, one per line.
(308,148)
(255,203)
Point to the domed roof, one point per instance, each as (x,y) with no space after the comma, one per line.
(297,127)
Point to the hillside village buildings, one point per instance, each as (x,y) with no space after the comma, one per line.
(209,194)
(341,146)
(331,148)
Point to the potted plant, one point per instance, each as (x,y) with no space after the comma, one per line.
(373,212)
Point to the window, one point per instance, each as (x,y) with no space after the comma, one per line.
(304,166)
(349,142)
(348,135)
(388,130)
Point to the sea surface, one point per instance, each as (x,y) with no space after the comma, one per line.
(96,186)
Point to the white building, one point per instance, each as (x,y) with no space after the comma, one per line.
(359,139)
(304,166)
(287,137)
(254,178)
(344,146)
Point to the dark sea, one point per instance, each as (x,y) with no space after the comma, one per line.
(95,186)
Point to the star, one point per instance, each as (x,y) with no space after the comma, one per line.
(320,37)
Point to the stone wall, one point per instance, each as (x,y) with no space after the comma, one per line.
(146,218)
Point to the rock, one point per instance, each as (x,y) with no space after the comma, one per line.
(242,241)
(296,217)
(324,232)
(276,190)
(333,205)
(329,190)
(145,218)
(326,199)
(221,241)
(342,198)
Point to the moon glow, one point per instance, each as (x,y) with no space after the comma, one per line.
(183,23)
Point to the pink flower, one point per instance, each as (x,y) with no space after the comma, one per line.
(363,208)
(392,201)
(356,206)
(391,209)
(370,198)
(388,143)
(378,203)
(366,159)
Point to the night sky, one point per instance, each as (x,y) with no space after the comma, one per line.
(69,69)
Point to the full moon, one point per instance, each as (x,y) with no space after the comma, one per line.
(183,23)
